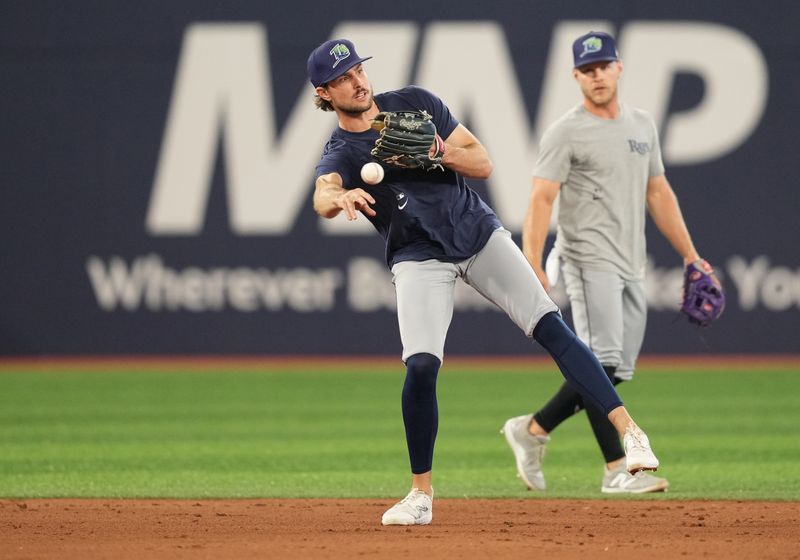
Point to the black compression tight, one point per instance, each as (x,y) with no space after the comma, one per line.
(577,363)
(420,410)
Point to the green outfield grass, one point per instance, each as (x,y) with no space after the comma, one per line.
(338,433)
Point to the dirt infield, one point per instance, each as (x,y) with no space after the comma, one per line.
(338,529)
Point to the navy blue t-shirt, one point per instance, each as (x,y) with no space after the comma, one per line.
(421,214)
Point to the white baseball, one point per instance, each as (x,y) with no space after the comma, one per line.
(372,173)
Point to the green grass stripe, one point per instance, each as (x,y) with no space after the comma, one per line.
(167,433)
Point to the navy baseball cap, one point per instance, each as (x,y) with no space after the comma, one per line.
(332,59)
(595,46)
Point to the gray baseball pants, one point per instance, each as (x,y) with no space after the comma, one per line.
(499,272)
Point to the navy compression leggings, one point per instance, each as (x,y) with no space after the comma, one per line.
(420,410)
(577,363)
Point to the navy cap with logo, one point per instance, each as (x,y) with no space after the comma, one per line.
(332,59)
(595,46)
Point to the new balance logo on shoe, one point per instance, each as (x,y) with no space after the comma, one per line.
(619,481)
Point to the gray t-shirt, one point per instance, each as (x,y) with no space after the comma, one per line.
(603,166)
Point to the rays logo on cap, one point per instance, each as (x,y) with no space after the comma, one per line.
(592,45)
(339,52)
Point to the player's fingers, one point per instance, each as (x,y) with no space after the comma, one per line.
(362,200)
(366,196)
(366,208)
(353,201)
(349,208)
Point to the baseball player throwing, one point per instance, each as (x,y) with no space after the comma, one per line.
(437,230)
(604,159)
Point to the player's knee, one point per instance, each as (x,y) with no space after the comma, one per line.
(421,372)
(553,334)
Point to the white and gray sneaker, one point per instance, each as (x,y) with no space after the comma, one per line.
(619,481)
(638,455)
(414,509)
(528,450)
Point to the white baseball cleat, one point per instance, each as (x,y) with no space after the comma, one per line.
(528,450)
(638,455)
(414,509)
(619,481)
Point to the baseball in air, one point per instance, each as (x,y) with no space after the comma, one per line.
(372,173)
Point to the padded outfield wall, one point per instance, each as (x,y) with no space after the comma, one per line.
(157,166)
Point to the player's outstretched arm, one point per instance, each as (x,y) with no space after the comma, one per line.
(666,212)
(330,198)
(465,155)
(537,222)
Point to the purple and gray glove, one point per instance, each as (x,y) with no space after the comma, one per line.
(703,296)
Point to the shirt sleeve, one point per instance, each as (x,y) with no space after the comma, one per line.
(555,154)
(656,163)
(334,160)
(445,122)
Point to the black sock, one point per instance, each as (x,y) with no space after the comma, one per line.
(566,402)
(420,410)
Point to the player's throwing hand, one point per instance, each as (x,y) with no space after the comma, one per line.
(353,200)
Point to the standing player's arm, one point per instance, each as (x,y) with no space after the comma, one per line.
(330,198)
(537,223)
(465,155)
(663,206)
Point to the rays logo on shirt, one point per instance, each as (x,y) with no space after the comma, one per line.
(640,148)
(592,45)
(339,52)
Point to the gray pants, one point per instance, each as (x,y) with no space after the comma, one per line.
(609,314)
(499,272)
